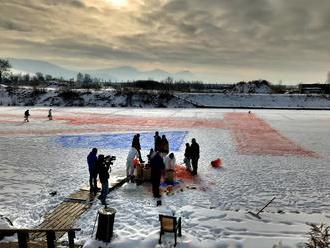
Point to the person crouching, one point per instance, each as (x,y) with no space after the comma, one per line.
(170,163)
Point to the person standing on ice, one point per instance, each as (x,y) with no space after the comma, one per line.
(170,163)
(132,154)
(194,149)
(103,170)
(187,157)
(157,166)
(136,144)
(50,116)
(92,168)
(26,116)
(164,146)
(158,142)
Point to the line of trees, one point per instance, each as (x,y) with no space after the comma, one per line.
(4,67)
(167,85)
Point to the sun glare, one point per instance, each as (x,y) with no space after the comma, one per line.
(118,3)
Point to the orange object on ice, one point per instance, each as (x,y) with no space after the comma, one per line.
(181,172)
(136,162)
(216,163)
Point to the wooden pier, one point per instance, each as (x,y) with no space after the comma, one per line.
(64,216)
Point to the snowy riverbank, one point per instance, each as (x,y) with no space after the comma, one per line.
(27,96)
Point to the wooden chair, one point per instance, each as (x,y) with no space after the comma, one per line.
(169,224)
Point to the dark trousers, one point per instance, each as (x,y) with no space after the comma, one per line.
(140,157)
(155,187)
(93,182)
(194,163)
(104,191)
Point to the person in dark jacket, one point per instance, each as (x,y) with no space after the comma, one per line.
(194,151)
(187,157)
(103,170)
(158,142)
(157,166)
(50,115)
(92,168)
(136,144)
(26,116)
(164,145)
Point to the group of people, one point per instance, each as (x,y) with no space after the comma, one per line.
(161,161)
(27,115)
(160,144)
(191,156)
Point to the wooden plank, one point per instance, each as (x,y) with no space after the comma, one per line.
(56,210)
(53,220)
(57,215)
(65,214)
(31,244)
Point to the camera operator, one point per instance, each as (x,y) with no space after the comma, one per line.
(103,165)
(103,170)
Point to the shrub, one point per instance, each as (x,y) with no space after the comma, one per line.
(319,236)
(38,91)
(68,94)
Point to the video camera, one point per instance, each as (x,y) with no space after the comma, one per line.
(108,160)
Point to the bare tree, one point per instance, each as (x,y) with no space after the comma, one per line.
(4,67)
(328,79)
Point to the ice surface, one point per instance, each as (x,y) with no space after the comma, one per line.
(33,164)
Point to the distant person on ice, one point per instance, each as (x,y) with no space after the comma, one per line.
(158,142)
(26,116)
(194,149)
(132,154)
(92,168)
(103,170)
(157,166)
(136,144)
(50,116)
(187,157)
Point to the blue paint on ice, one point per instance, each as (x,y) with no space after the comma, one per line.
(121,141)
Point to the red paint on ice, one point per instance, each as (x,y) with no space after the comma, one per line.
(252,134)
(167,122)
(255,136)
(182,173)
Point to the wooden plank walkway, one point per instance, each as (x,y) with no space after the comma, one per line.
(66,213)
(31,244)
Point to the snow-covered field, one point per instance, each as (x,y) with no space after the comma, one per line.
(299,101)
(265,154)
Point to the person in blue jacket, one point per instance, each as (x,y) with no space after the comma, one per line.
(92,168)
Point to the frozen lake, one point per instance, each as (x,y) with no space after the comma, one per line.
(281,153)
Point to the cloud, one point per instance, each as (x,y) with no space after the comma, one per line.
(280,39)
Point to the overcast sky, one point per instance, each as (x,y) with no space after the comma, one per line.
(286,40)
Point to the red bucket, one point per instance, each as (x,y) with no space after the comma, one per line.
(216,163)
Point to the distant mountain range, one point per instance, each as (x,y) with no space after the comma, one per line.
(123,73)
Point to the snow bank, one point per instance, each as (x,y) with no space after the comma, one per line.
(26,96)
(257,100)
